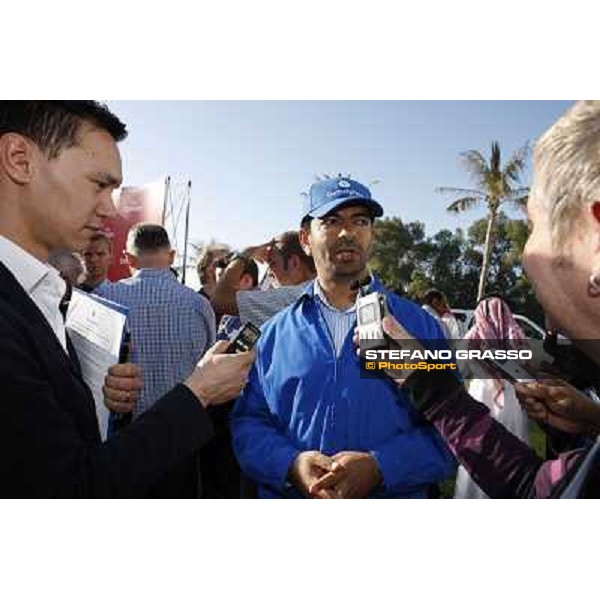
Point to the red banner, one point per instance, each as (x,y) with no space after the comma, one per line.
(134,205)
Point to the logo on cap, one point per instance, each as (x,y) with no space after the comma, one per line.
(343,183)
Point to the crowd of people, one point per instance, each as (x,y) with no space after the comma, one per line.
(294,417)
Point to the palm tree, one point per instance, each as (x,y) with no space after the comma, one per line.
(496,185)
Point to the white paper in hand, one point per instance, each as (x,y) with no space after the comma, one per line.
(96,328)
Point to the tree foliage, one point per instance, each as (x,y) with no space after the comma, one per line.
(496,185)
(410,262)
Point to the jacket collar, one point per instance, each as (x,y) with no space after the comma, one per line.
(309,289)
(26,268)
(12,290)
(153,274)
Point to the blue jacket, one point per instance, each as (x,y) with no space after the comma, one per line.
(301,397)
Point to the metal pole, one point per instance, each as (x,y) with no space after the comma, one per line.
(167,191)
(187,226)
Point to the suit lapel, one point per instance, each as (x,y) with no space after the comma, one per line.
(45,337)
(74,359)
(69,388)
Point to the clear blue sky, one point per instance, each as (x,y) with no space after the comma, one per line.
(249,161)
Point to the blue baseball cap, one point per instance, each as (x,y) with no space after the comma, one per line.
(329,194)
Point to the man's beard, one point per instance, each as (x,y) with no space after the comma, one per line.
(348,270)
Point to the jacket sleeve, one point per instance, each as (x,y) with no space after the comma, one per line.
(414,458)
(264,451)
(419,456)
(498,461)
(45,452)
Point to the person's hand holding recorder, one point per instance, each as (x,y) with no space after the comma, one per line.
(556,403)
(399,339)
(220,377)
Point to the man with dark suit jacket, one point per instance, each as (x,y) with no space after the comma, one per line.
(59,163)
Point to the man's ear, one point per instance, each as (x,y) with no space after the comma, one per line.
(304,237)
(595,210)
(171,256)
(594,213)
(18,157)
(132,261)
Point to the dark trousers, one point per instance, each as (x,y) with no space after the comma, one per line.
(219,470)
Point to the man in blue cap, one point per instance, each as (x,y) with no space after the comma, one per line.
(307,417)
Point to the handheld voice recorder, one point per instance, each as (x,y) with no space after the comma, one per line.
(370,310)
(245,339)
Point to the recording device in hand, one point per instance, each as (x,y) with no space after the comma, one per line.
(245,339)
(370,310)
(121,420)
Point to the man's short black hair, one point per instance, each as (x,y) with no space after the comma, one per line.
(431,295)
(289,245)
(147,237)
(249,266)
(305,223)
(54,124)
(306,220)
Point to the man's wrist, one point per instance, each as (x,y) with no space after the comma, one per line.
(202,398)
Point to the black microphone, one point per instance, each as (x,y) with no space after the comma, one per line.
(121,420)
(358,284)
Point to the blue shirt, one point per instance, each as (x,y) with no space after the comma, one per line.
(301,396)
(228,327)
(171,327)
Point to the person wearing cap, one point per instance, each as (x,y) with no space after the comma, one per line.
(306,415)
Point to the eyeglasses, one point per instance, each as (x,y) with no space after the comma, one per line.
(221,263)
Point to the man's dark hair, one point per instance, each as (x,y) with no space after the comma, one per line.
(249,266)
(305,223)
(431,295)
(288,244)
(306,220)
(54,124)
(145,237)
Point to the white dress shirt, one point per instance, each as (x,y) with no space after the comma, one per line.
(339,321)
(40,281)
